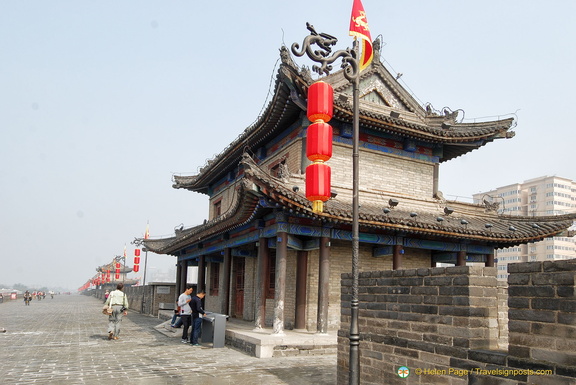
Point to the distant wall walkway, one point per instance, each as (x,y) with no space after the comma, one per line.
(147,299)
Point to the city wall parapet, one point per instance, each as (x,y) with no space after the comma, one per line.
(448,325)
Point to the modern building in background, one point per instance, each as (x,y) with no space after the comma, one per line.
(543,196)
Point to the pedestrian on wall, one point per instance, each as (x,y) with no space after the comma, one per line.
(106,295)
(117,299)
(185,311)
(197,314)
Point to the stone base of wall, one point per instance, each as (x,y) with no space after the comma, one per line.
(262,343)
(242,345)
(303,350)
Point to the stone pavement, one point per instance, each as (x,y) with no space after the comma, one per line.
(64,341)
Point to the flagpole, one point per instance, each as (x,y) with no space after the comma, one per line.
(145,264)
(140,242)
(146,236)
(124,261)
(354,364)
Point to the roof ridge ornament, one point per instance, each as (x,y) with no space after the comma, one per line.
(324,56)
(286,58)
(491,206)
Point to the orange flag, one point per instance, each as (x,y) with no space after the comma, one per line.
(359,29)
(147,233)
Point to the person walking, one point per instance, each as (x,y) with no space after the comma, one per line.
(117,299)
(27,298)
(185,311)
(197,310)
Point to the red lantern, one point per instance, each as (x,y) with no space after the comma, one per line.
(137,252)
(320,102)
(118,265)
(136,260)
(319,142)
(318,185)
(117,275)
(136,268)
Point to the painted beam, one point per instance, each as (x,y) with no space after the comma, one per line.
(244,253)
(384,251)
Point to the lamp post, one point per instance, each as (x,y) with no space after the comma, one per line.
(140,243)
(145,249)
(351,67)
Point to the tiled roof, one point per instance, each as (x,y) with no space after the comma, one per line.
(468,222)
(289,102)
(244,208)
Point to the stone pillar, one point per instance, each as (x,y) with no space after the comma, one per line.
(396,257)
(301,283)
(201,274)
(226,281)
(260,300)
(461,258)
(280,283)
(323,285)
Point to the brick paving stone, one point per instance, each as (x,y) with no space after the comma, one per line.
(64,341)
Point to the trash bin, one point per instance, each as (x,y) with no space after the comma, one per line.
(214,329)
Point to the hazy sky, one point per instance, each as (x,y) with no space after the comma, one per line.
(102,102)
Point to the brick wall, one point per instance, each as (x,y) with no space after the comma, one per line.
(340,261)
(442,323)
(502,298)
(403,176)
(542,314)
(212,303)
(250,271)
(144,299)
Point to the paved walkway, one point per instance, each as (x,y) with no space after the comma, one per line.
(64,341)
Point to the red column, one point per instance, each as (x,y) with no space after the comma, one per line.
(489,260)
(397,257)
(461,258)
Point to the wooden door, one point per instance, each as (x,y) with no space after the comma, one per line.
(239,288)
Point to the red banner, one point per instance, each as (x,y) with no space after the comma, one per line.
(359,29)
